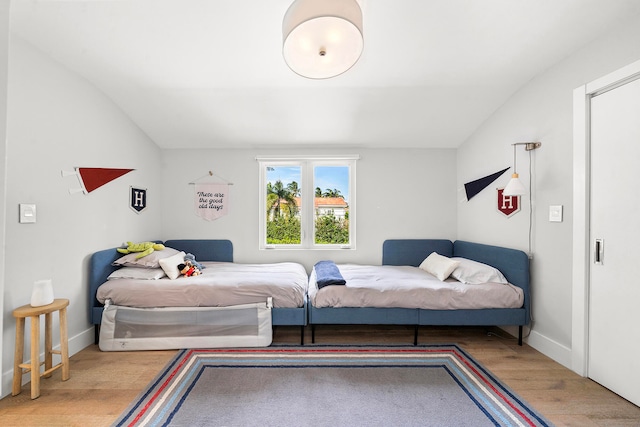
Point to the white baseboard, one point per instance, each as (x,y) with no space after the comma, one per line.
(76,343)
(550,348)
(544,345)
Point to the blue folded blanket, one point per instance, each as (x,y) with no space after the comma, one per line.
(328,273)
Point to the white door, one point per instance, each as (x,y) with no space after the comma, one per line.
(614,293)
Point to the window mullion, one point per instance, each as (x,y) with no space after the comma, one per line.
(307,204)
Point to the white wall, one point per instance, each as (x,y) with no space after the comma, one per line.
(540,111)
(58,121)
(401,193)
(4,65)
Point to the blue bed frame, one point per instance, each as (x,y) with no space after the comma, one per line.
(204,250)
(514,264)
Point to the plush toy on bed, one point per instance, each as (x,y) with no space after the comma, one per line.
(187,269)
(145,248)
(192,259)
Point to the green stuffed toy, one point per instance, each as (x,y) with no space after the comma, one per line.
(145,248)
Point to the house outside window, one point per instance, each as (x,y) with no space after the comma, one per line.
(307,202)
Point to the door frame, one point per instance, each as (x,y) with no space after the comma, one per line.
(581,208)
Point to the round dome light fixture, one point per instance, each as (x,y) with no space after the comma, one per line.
(322,38)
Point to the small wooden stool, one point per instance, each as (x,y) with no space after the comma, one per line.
(34,313)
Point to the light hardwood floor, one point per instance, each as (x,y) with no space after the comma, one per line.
(103,384)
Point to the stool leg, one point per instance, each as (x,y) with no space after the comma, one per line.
(18,357)
(35,356)
(64,344)
(48,343)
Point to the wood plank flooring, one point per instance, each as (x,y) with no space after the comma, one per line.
(102,385)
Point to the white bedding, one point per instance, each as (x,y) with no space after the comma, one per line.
(409,287)
(221,284)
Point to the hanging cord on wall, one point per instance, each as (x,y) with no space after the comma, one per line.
(530,205)
(210,175)
(529,254)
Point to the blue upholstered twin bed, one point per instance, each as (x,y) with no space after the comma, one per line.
(215,255)
(411,253)
(464,304)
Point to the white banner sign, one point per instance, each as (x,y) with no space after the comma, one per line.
(211,200)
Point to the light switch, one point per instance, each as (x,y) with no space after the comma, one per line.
(27,213)
(555,213)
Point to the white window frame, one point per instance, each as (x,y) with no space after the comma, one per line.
(307,219)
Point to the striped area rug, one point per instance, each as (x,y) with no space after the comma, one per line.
(430,385)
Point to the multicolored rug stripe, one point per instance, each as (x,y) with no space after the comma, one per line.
(164,397)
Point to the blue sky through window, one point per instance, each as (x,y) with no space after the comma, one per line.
(325,177)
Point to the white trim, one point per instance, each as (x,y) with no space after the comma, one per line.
(613,80)
(579,313)
(307,220)
(581,175)
(551,348)
(286,157)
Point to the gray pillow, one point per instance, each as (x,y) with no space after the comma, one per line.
(150,261)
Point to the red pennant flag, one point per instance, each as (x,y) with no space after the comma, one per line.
(92,178)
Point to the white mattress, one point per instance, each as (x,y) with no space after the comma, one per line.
(221,284)
(409,287)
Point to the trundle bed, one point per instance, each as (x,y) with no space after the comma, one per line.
(226,301)
(401,293)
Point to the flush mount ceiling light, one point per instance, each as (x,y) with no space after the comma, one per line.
(515,186)
(322,38)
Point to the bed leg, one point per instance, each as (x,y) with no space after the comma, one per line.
(96,336)
(520,335)
(302,335)
(415,335)
(313,334)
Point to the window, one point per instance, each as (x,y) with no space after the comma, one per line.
(307,202)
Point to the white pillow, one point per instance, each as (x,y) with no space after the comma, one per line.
(150,261)
(137,273)
(170,265)
(439,266)
(474,272)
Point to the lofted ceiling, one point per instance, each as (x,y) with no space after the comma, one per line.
(210,73)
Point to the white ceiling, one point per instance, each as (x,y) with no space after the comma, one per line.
(210,73)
